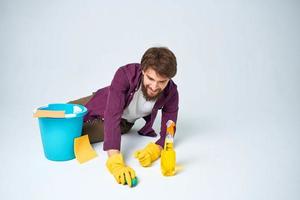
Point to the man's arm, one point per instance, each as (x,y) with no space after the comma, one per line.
(114,109)
(112,132)
(169,112)
(152,151)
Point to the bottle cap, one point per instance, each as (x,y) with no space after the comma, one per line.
(170,127)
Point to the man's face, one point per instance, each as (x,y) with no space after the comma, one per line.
(153,84)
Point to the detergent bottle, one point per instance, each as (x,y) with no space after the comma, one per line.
(168,155)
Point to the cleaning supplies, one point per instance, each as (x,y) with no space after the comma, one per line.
(83,149)
(49,113)
(168,155)
(60,124)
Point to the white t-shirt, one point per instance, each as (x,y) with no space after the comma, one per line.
(138,107)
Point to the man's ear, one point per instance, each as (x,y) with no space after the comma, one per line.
(143,72)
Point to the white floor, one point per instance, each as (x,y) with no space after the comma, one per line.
(238,77)
(217,163)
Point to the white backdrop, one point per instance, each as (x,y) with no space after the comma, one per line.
(238,79)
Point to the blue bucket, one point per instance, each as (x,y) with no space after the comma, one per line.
(58,133)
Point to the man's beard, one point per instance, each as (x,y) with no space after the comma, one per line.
(145,94)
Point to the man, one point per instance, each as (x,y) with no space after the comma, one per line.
(136,91)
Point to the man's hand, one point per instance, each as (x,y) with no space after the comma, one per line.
(148,155)
(122,173)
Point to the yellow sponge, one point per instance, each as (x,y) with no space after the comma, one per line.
(83,149)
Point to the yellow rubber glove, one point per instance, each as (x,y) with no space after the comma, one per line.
(149,154)
(122,173)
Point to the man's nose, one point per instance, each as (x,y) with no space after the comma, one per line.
(155,86)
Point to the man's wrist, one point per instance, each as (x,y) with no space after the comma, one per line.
(112,152)
(160,147)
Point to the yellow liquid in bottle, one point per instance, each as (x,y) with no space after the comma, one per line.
(168,158)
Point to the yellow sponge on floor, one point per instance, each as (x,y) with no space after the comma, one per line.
(83,149)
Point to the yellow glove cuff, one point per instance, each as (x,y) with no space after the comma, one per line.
(114,162)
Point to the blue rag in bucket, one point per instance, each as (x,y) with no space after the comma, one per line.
(58,134)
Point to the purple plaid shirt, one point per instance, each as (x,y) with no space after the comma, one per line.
(109,103)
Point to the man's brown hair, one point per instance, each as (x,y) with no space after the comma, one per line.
(160,59)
